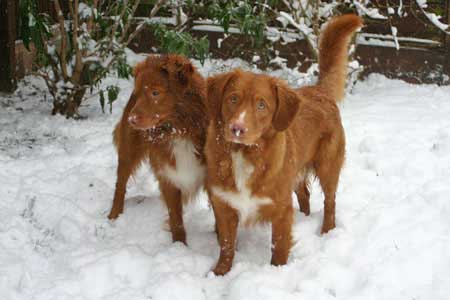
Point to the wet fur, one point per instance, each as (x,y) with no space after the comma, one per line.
(299,132)
(184,122)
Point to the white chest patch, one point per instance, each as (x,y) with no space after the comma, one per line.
(242,200)
(189,173)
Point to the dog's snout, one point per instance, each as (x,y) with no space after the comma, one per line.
(238,129)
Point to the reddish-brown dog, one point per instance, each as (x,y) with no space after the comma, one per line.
(263,140)
(165,123)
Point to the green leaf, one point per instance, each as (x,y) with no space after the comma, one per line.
(102,101)
(183,43)
(201,49)
(124,70)
(226,23)
(113,93)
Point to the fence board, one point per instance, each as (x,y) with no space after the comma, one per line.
(420,63)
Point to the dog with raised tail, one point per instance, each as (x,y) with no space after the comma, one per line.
(264,138)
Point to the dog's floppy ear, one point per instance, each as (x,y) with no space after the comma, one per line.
(184,72)
(217,86)
(164,66)
(287,106)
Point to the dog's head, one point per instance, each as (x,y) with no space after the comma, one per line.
(250,106)
(159,82)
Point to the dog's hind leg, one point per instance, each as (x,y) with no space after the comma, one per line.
(328,166)
(302,193)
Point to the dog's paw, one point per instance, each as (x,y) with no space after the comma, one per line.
(113,215)
(221,269)
(327,226)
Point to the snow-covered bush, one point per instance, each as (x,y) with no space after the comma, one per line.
(290,20)
(89,40)
(261,19)
(86,43)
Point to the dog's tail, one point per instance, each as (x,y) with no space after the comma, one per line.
(333,53)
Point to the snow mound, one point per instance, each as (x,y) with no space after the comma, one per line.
(392,241)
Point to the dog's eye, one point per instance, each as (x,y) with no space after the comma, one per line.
(261,105)
(155,93)
(234,99)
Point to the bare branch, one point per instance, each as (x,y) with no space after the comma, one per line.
(316,19)
(111,5)
(90,25)
(129,21)
(49,82)
(62,32)
(393,29)
(178,16)
(311,43)
(443,27)
(116,24)
(155,9)
(76,75)
(302,12)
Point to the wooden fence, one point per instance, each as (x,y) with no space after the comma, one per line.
(423,57)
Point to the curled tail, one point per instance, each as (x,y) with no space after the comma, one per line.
(333,53)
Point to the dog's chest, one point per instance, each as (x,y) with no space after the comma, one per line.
(242,200)
(188,173)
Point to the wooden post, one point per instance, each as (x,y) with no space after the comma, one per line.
(7,45)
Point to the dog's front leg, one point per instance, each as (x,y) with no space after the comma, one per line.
(226,224)
(173,198)
(281,236)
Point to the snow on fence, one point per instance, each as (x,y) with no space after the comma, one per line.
(423,57)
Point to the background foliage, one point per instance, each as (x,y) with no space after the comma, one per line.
(86,39)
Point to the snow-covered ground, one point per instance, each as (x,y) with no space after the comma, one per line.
(392,239)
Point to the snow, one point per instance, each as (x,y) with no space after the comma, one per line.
(366,35)
(302,27)
(400,9)
(387,40)
(435,20)
(272,33)
(432,17)
(375,42)
(31,20)
(394,35)
(215,28)
(85,11)
(57,181)
(157,20)
(369,11)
